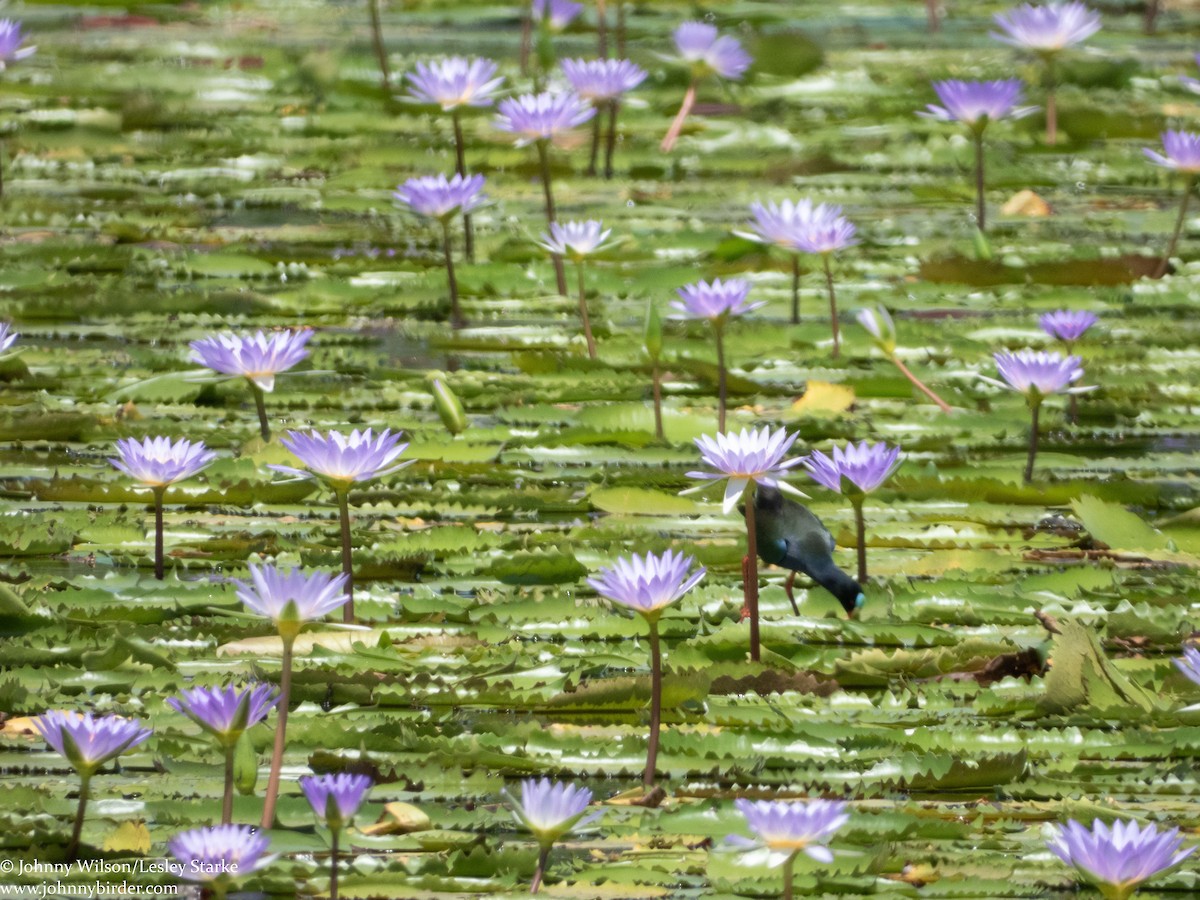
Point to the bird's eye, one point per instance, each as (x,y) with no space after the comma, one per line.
(859,601)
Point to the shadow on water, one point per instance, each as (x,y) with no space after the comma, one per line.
(1116,270)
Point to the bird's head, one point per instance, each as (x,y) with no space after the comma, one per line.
(767,499)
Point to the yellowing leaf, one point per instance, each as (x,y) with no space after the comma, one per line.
(129,837)
(399,818)
(822,398)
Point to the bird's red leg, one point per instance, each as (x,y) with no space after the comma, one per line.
(787,586)
(745,577)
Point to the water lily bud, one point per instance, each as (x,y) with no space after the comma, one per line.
(653,336)
(880,326)
(449,407)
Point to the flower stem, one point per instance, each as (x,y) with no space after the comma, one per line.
(787,863)
(456,317)
(980,208)
(931,15)
(460,166)
(227,799)
(285,696)
(722,377)
(1051,102)
(333,865)
(656,384)
(620,29)
(583,313)
(526,38)
(543,149)
(543,855)
(610,146)
(750,580)
(860,539)
(260,406)
(795,288)
(158,533)
(377,41)
(655,705)
(672,135)
(1187,194)
(85,786)
(1150,16)
(1033,441)
(833,312)
(942,404)
(2,149)
(595,154)
(602,29)
(343,500)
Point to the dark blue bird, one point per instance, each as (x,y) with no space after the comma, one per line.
(791,537)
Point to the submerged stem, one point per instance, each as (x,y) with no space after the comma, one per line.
(343,500)
(655,705)
(1051,102)
(787,863)
(595,152)
(1183,207)
(285,696)
(1033,440)
(750,579)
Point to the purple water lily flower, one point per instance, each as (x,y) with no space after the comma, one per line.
(715,301)
(86,741)
(1119,857)
(977,103)
(220,854)
(11,50)
(226,712)
(601,80)
(291,598)
(709,52)
(878,323)
(551,809)
(792,827)
(647,584)
(1048,28)
(751,456)
(258,357)
(542,117)
(455,82)
(1038,373)
(336,798)
(1189,663)
(1191,84)
(1181,152)
(442,198)
(158,462)
(7,336)
(779,224)
(1067,325)
(825,231)
(343,459)
(854,469)
(576,239)
(557,14)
